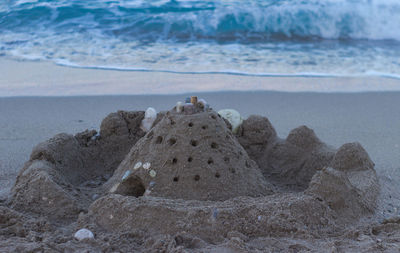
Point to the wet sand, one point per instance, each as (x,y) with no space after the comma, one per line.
(36,78)
(373,119)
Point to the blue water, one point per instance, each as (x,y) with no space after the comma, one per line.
(257,37)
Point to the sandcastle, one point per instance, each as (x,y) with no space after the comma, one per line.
(189,173)
(191,156)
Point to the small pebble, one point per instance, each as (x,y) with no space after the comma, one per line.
(152,184)
(259,217)
(137,165)
(95,196)
(152,173)
(83,233)
(146,166)
(203,103)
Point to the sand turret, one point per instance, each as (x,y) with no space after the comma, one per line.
(189,156)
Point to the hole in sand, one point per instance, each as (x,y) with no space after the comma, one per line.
(204,127)
(194,143)
(217,175)
(190,124)
(214,145)
(213,116)
(159,140)
(196,178)
(190,159)
(240,153)
(210,161)
(232,170)
(226,159)
(176,179)
(132,186)
(172,122)
(172,141)
(174,161)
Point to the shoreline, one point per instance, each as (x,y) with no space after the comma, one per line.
(41,78)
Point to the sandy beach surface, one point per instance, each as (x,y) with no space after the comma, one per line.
(31,78)
(337,112)
(373,119)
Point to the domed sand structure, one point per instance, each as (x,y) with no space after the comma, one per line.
(188,157)
(191,184)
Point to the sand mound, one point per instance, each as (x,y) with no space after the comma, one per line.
(189,157)
(63,174)
(290,164)
(350,186)
(190,183)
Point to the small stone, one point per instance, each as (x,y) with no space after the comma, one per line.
(203,104)
(84,233)
(126,175)
(152,173)
(146,166)
(95,196)
(137,165)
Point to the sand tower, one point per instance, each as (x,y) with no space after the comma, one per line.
(189,156)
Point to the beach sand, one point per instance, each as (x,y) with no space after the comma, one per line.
(370,118)
(27,78)
(373,119)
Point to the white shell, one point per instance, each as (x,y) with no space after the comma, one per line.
(83,233)
(233,117)
(149,117)
(137,165)
(152,173)
(127,173)
(146,166)
(179,107)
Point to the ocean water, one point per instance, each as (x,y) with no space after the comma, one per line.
(252,37)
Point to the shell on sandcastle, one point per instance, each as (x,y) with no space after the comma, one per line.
(189,156)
